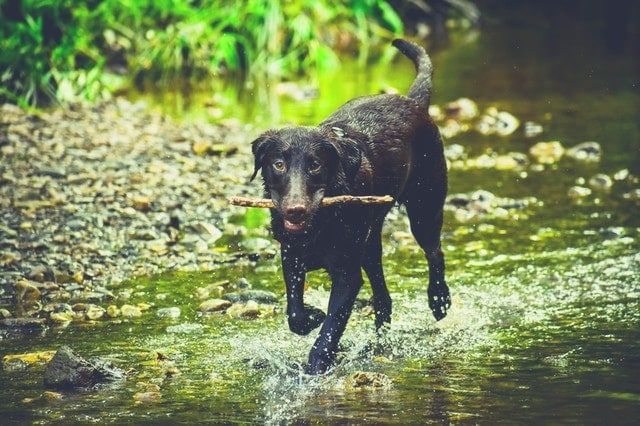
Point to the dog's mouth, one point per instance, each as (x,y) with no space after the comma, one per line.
(295,227)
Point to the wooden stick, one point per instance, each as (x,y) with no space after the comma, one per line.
(326,202)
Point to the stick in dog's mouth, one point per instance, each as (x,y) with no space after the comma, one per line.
(326,202)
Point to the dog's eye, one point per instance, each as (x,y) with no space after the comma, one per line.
(314,167)
(279,165)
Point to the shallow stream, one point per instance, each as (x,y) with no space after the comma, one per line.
(545,323)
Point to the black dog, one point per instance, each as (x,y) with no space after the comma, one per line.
(375,145)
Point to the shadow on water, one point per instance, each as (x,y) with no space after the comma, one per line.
(546,319)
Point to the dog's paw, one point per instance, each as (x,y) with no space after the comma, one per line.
(307,321)
(439,300)
(319,362)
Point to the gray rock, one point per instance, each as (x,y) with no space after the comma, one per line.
(260,296)
(586,151)
(69,371)
(173,312)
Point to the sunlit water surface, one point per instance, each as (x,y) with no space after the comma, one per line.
(545,324)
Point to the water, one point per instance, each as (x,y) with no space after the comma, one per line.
(545,325)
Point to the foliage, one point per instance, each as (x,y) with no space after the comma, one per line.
(69,49)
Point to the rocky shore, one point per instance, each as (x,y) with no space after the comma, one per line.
(93,195)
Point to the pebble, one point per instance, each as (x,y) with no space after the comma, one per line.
(547,152)
(621,174)
(532,129)
(130,311)
(173,312)
(94,312)
(463,109)
(578,192)
(368,380)
(249,310)
(601,182)
(259,296)
(214,305)
(586,151)
(147,397)
(4,313)
(113,311)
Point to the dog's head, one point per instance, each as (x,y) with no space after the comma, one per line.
(299,165)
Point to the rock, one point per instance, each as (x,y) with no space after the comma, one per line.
(41,273)
(130,311)
(633,195)
(214,305)
(547,152)
(141,202)
(463,109)
(601,182)
(21,361)
(4,313)
(259,296)
(621,174)
(8,258)
(454,152)
(496,122)
(113,311)
(249,310)
(207,231)
(173,312)
(368,380)
(26,292)
(61,317)
(511,161)
(69,371)
(23,323)
(586,151)
(531,129)
(201,147)
(94,312)
(49,396)
(147,397)
(578,192)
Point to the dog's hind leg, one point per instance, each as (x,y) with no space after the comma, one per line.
(372,264)
(424,198)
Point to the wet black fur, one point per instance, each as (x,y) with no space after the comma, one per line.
(384,144)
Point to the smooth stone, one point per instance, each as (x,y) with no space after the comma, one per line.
(94,312)
(586,151)
(601,182)
(113,311)
(214,305)
(130,311)
(260,296)
(21,361)
(578,192)
(547,152)
(5,313)
(173,312)
(249,310)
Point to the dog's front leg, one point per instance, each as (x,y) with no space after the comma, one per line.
(302,319)
(346,283)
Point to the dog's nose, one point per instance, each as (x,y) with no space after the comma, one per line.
(296,211)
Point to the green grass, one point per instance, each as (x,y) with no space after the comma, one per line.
(64,50)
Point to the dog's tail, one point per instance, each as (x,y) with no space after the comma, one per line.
(420,90)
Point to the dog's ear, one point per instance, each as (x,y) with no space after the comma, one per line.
(260,147)
(351,159)
(346,154)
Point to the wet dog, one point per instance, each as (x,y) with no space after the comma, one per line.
(373,145)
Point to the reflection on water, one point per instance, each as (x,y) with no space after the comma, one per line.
(545,325)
